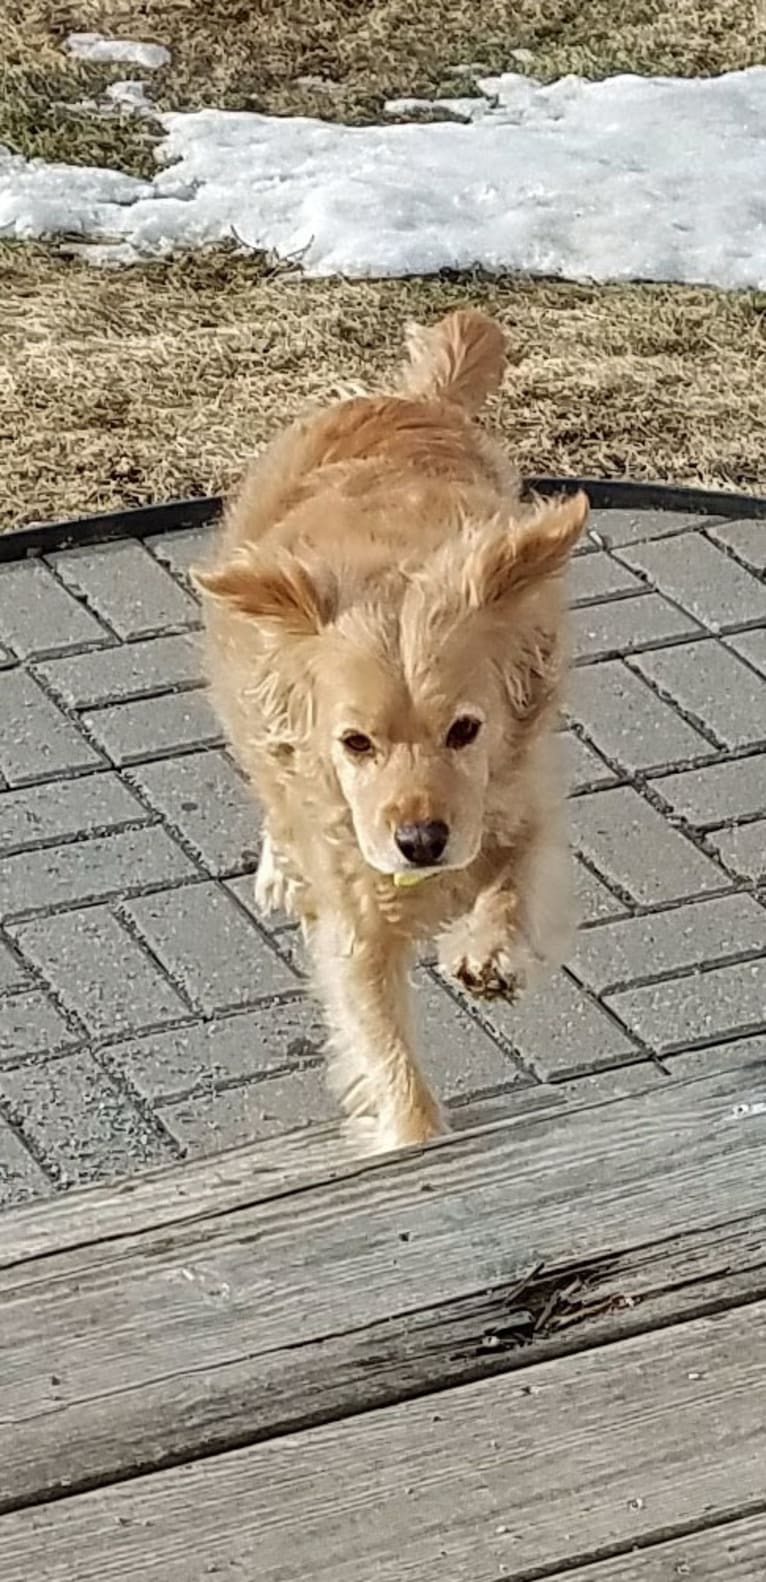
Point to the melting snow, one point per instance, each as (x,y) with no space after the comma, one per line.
(93,46)
(131,97)
(630,178)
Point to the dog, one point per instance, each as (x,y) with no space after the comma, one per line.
(385,634)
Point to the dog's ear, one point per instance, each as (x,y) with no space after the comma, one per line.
(278,590)
(524,553)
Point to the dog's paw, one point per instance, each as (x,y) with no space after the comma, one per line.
(412,1128)
(389,1132)
(497,976)
(274,892)
(486,967)
(376,1123)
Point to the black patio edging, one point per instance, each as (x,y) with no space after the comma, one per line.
(175,515)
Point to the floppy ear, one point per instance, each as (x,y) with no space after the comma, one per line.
(524,553)
(278,589)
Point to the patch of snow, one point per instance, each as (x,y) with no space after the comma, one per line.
(95,47)
(37,199)
(130,96)
(629,178)
(311,80)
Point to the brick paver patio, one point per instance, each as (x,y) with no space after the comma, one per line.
(145,1013)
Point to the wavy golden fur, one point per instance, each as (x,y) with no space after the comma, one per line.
(385,641)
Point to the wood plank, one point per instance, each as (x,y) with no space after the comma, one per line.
(561,1309)
(163,1345)
(237,1177)
(511,1478)
(171,1194)
(735,1552)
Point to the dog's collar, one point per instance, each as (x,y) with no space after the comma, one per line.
(408,881)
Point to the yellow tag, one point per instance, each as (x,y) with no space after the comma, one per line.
(407,881)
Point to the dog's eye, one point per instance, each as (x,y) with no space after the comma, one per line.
(357,744)
(463,731)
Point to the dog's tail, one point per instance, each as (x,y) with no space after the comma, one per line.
(460,359)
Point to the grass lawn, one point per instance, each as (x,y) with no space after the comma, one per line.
(123,387)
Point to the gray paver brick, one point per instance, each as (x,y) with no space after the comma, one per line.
(99,972)
(752,647)
(593,900)
(125,585)
(702,579)
(37,615)
(288,937)
(627,721)
(714,686)
(558,1031)
(202,795)
(560,1097)
(750,1052)
(84,870)
(61,809)
(152,727)
(268,1038)
(707,1005)
(192,546)
(743,849)
(244,889)
(21,1178)
(37,741)
(603,1087)
(210,946)
(129,671)
(625,625)
(456,1052)
(217,1078)
(597,576)
(746,539)
(663,942)
(30,1024)
(79,1122)
(583,767)
(720,792)
(241,1115)
(631,527)
(636,849)
(12,974)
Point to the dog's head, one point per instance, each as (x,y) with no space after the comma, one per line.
(413,692)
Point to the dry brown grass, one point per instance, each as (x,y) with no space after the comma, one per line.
(141,385)
(254,52)
(44,93)
(124,388)
(335,58)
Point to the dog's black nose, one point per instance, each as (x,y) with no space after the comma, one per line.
(423,843)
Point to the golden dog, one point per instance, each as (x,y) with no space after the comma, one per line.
(385,628)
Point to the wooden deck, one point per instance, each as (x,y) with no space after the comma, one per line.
(535,1351)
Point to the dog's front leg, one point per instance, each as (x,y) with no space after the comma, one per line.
(520,925)
(364,986)
(275,891)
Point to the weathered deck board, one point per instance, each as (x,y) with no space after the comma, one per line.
(252,1397)
(169,1195)
(509,1477)
(228,1181)
(210,1333)
(734,1552)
